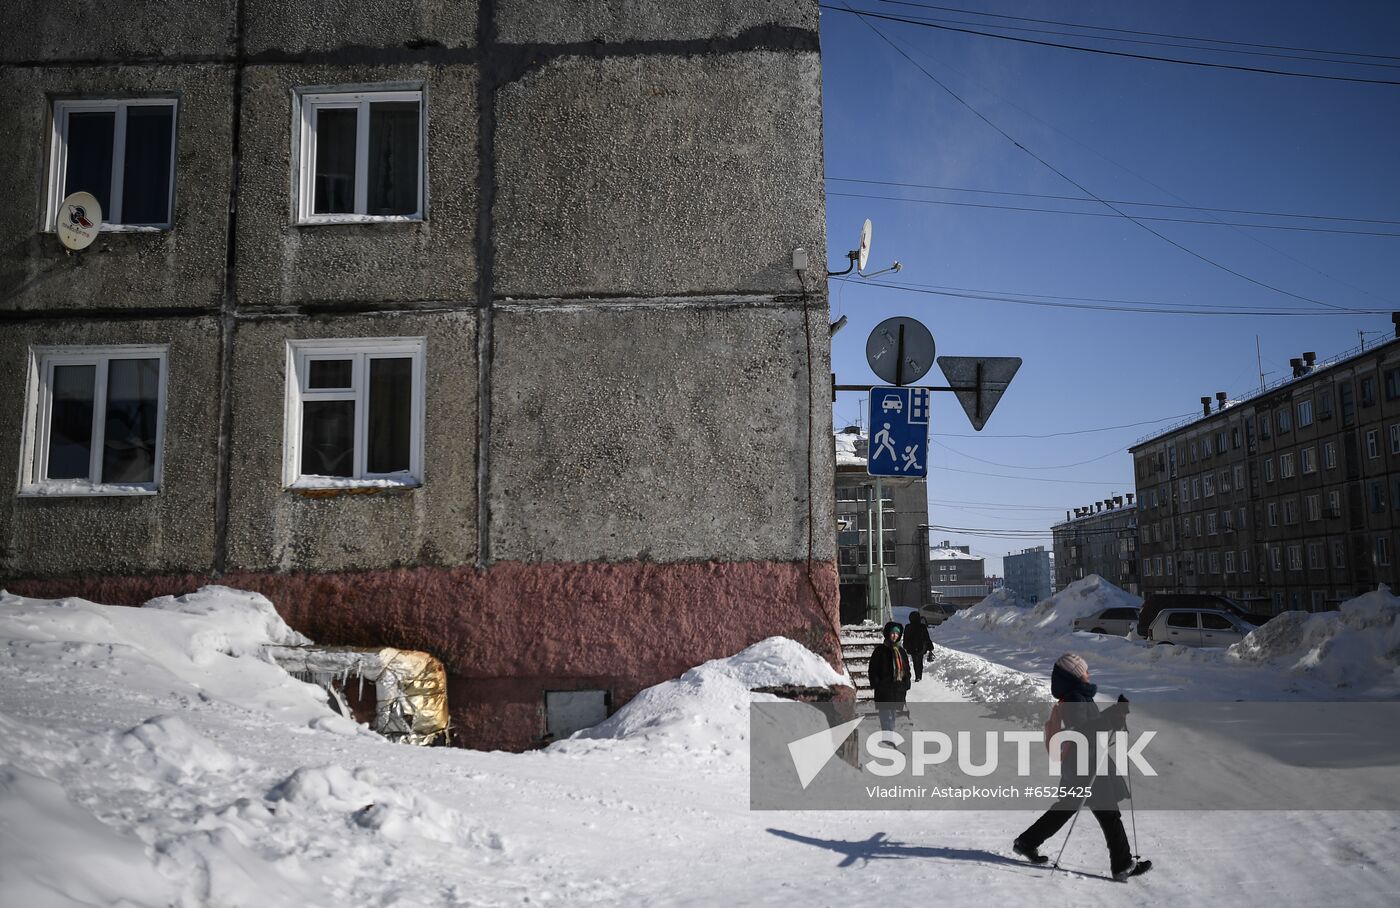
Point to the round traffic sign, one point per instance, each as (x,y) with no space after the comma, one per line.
(900,350)
(79,219)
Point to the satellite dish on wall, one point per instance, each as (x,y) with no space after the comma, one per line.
(79,220)
(863,250)
(860,256)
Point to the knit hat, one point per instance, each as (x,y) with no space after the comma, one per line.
(1074,664)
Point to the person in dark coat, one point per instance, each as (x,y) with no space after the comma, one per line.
(1076,711)
(917,643)
(889,675)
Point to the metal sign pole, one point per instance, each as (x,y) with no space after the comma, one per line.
(872,610)
(883,602)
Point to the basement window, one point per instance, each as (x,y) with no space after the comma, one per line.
(354,413)
(96,421)
(361,157)
(123,152)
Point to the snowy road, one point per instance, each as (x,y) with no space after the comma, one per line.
(246,791)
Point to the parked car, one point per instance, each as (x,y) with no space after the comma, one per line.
(1117,620)
(1156,602)
(937,614)
(1198,627)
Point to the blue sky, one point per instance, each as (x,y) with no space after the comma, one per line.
(1125,130)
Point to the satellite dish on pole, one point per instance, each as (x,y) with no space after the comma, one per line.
(863,250)
(79,220)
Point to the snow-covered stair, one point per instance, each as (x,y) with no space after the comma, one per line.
(858,641)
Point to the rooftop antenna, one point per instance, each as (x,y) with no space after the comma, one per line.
(860,256)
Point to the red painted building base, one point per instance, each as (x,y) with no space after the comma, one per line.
(511,632)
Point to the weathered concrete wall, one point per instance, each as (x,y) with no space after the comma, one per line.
(654,180)
(272,528)
(299,26)
(171,531)
(385,263)
(657,432)
(513,631)
(183,267)
(51,31)
(551,22)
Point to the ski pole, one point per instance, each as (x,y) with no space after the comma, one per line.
(1088,789)
(1132,812)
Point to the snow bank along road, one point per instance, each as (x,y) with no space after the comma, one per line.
(150,757)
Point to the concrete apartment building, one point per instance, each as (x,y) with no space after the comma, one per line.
(957,577)
(434,321)
(905,518)
(1286,500)
(1029,574)
(1100,538)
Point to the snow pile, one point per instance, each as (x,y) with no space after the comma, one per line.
(246,621)
(1001,613)
(705,712)
(1355,647)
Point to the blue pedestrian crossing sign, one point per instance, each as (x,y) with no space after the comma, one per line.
(899,419)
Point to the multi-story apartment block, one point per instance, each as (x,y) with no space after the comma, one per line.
(1286,500)
(430,320)
(957,577)
(1098,539)
(1029,574)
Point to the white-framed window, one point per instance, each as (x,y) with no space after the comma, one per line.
(1157,565)
(1305,413)
(361,156)
(1185,490)
(1239,478)
(1314,507)
(1285,466)
(121,151)
(1269,470)
(95,423)
(1227,520)
(1169,565)
(1242,523)
(1334,503)
(1147,567)
(1195,488)
(1315,562)
(1210,524)
(1224,481)
(1290,511)
(1383,550)
(1244,561)
(1339,554)
(1208,486)
(354,412)
(1307,459)
(1295,557)
(1198,525)
(1273,514)
(1373,444)
(1229,562)
(1395,438)
(1329,456)
(1285,421)
(1275,558)
(1214,563)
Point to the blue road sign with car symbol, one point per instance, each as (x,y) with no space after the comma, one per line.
(899,419)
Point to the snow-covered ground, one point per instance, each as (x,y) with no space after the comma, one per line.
(150,757)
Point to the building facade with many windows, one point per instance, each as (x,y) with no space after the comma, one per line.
(1030,574)
(1098,539)
(1288,500)
(410,317)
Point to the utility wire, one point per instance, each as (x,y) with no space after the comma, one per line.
(1233,311)
(1128,170)
(1130,31)
(1062,175)
(1213,50)
(1103,214)
(923,23)
(1080,198)
(1015,466)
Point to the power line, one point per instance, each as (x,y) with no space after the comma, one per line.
(1077,198)
(924,23)
(1103,214)
(1130,31)
(1068,179)
(1077,482)
(1013,466)
(1131,425)
(1128,170)
(1145,310)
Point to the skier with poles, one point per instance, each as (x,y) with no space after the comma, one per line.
(1075,711)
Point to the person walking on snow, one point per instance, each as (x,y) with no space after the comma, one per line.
(889,675)
(917,642)
(1076,711)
